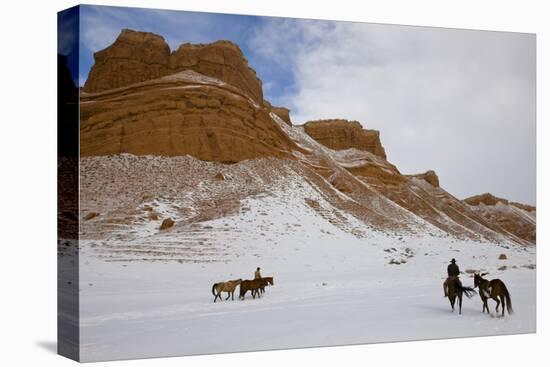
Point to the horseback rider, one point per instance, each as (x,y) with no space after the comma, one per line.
(257,274)
(452,273)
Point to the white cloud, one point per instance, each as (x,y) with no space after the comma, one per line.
(460,102)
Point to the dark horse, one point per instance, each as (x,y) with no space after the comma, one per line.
(494,289)
(455,290)
(251,285)
(265,282)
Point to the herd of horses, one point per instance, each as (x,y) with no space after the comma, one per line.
(494,289)
(488,289)
(255,286)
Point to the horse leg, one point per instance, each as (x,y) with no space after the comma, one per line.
(460,304)
(498,304)
(228,295)
(232,294)
(503,304)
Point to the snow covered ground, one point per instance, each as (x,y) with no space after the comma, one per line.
(337,281)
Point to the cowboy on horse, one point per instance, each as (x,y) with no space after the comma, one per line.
(453,287)
(452,274)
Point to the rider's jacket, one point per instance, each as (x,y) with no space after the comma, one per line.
(452,270)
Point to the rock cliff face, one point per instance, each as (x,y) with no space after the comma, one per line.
(134,57)
(140,56)
(282,112)
(491,200)
(343,134)
(428,176)
(517,219)
(486,199)
(179,114)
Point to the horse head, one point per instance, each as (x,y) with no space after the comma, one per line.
(477,280)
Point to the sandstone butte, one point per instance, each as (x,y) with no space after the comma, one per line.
(509,215)
(207,102)
(202,100)
(139,56)
(343,134)
(491,200)
(428,176)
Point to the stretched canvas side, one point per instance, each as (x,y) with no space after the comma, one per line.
(68,315)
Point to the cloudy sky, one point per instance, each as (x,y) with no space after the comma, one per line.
(459,102)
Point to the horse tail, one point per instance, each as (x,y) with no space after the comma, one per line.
(468,291)
(508,299)
(214,288)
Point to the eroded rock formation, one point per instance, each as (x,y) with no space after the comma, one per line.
(179,114)
(343,134)
(282,112)
(489,199)
(517,219)
(139,56)
(428,176)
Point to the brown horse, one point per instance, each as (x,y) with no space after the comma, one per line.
(265,282)
(250,285)
(228,287)
(494,289)
(455,290)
